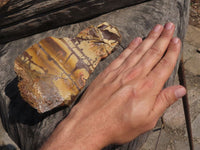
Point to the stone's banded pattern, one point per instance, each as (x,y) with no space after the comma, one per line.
(53,71)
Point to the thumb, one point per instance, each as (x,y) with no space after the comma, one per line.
(166,98)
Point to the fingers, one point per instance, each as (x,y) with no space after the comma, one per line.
(120,59)
(164,68)
(111,71)
(143,58)
(109,74)
(134,44)
(166,98)
(149,53)
(143,48)
(156,51)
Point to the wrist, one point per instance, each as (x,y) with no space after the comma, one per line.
(76,133)
(82,134)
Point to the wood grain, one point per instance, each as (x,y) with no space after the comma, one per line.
(21,18)
(30,129)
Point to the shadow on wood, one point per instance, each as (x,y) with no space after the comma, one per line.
(7,147)
(22,112)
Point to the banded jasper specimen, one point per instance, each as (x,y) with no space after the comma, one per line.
(53,71)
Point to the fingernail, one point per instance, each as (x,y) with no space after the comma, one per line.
(157,28)
(175,40)
(168,26)
(180,92)
(137,39)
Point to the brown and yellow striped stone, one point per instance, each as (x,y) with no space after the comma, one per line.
(53,71)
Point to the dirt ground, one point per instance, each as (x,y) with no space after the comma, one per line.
(195,13)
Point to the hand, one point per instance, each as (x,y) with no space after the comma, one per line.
(127,98)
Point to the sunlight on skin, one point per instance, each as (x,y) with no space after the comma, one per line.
(126,99)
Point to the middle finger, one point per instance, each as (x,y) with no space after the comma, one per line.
(157,50)
(137,54)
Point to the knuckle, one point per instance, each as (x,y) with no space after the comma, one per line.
(130,91)
(166,62)
(123,55)
(110,75)
(132,74)
(134,93)
(138,52)
(155,51)
(166,35)
(152,36)
(113,65)
(106,75)
(148,84)
(119,80)
(165,97)
(106,86)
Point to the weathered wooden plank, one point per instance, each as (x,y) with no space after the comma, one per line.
(20,18)
(30,129)
(18,10)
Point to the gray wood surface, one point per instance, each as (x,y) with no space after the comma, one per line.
(20,18)
(30,129)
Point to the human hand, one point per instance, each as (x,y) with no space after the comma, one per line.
(127,98)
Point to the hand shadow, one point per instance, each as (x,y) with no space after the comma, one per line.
(8,147)
(22,112)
